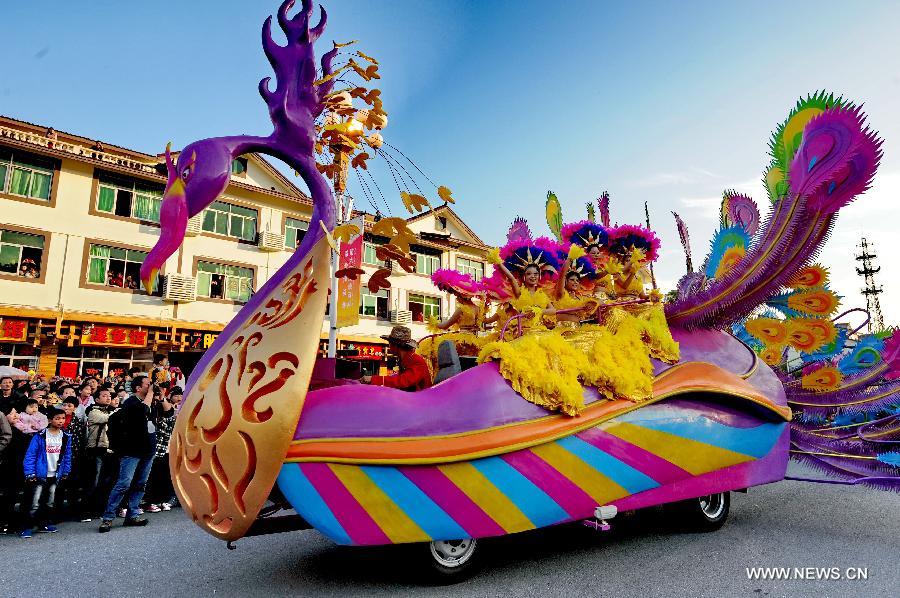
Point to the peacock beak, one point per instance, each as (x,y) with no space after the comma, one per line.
(173,217)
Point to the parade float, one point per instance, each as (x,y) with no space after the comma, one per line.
(679,402)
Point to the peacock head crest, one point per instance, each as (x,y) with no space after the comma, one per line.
(196,178)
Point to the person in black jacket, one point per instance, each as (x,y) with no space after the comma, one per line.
(12,478)
(132,438)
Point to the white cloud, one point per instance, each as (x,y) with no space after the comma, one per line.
(662,179)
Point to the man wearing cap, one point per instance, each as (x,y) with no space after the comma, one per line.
(414,373)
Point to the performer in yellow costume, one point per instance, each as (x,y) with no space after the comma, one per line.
(464,327)
(632,248)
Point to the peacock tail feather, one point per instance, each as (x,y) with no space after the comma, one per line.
(728,247)
(603,207)
(518,230)
(739,210)
(828,156)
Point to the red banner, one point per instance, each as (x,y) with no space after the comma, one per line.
(13,330)
(348,289)
(366,351)
(116,336)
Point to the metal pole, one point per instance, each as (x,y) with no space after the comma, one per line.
(332,301)
(647,216)
(340,185)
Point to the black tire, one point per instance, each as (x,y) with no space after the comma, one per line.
(705,513)
(452,561)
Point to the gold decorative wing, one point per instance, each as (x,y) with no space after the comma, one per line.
(238,420)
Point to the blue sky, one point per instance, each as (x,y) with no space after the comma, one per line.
(669,103)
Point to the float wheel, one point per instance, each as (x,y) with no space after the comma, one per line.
(705,513)
(452,561)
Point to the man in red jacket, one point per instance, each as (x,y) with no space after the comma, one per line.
(414,373)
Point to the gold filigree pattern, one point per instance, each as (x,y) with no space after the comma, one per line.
(239,418)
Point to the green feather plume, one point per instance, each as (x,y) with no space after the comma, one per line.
(554,214)
(590,212)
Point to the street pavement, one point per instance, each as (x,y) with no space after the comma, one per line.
(788,524)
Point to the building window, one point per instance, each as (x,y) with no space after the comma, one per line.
(369,256)
(294,231)
(103,361)
(129,198)
(423,307)
(25,175)
(239,166)
(24,356)
(470,267)
(219,281)
(427,264)
(21,254)
(116,267)
(374,304)
(230,220)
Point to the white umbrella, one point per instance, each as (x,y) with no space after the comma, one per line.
(15,373)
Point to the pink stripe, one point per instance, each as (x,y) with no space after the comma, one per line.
(361,528)
(644,461)
(467,514)
(575,501)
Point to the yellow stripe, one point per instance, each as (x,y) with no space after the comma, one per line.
(483,493)
(598,486)
(691,455)
(395,523)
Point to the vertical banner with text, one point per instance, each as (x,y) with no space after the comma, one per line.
(348,289)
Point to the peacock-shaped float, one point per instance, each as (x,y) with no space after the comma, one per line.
(469,458)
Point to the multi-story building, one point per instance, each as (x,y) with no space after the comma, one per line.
(77,217)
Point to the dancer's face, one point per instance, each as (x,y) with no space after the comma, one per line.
(573,283)
(594,252)
(532,276)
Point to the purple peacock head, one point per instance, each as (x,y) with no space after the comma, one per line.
(203,168)
(199,176)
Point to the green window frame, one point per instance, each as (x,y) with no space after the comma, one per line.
(374,304)
(427,264)
(116,267)
(221,281)
(369,256)
(26,175)
(239,166)
(230,220)
(21,254)
(471,267)
(294,231)
(129,198)
(423,306)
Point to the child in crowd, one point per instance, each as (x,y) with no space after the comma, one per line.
(32,420)
(47,463)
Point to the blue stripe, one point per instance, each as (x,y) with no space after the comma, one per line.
(306,501)
(621,473)
(754,442)
(531,500)
(415,503)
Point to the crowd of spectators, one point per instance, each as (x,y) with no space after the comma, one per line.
(86,449)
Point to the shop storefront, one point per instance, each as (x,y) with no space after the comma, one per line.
(104,350)
(15,348)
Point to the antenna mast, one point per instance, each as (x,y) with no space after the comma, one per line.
(871,290)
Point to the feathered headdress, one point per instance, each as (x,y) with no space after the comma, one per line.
(540,253)
(585,233)
(582,265)
(627,236)
(495,287)
(452,281)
